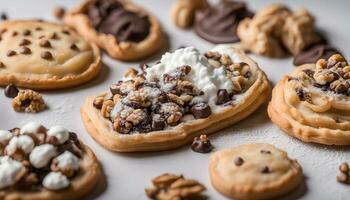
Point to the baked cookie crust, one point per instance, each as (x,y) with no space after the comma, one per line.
(254,172)
(124,50)
(41,55)
(310,111)
(102,131)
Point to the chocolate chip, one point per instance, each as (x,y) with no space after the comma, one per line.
(45,43)
(158,124)
(66,32)
(74,47)
(222,97)
(14,33)
(303,96)
(2,65)
(265,151)
(3,16)
(10,53)
(202,144)
(26,32)
(265,170)
(114,88)
(11,91)
(239,161)
(38,28)
(46,55)
(25,50)
(54,36)
(200,110)
(24,42)
(26,102)
(3,31)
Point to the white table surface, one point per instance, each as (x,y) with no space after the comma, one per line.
(127,174)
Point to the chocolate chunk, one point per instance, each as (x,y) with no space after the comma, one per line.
(11,91)
(66,32)
(200,110)
(158,124)
(222,97)
(74,47)
(110,17)
(314,53)
(45,43)
(265,170)
(202,144)
(54,36)
(26,32)
(38,28)
(114,88)
(309,72)
(303,96)
(3,16)
(11,53)
(218,24)
(265,151)
(25,50)
(239,161)
(46,55)
(24,42)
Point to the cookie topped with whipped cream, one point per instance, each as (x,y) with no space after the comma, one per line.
(40,163)
(42,55)
(166,105)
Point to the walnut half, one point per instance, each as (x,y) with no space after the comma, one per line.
(170,186)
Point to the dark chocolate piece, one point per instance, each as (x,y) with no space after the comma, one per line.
(202,144)
(311,55)
(218,24)
(222,97)
(11,91)
(200,110)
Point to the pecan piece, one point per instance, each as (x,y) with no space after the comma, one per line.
(28,101)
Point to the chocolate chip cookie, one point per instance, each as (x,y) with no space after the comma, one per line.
(254,171)
(42,55)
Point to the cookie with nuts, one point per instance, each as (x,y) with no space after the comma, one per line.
(254,171)
(42,55)
(45,164)
(312,103)
(124,30)
(167,105)
(276,31)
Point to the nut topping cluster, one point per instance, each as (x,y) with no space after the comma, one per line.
(137,105)
(330,75)
(170,186)
(33,157)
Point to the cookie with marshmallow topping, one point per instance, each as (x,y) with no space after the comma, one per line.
(49,163)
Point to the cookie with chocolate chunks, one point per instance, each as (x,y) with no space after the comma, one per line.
(126,31)
(165,105)
(38,55)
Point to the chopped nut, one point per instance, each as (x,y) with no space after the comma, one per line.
(214,63)
(98,102)
(176,99)
(344,167)
(321,64)
(323,77)
(346,71)
(131,73)
(343,177)
(339,86)
(122,127)
(170,186)
(28,101)
(136,116)
(107,107)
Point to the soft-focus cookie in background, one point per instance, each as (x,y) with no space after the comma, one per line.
(124,30)
(42,55)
